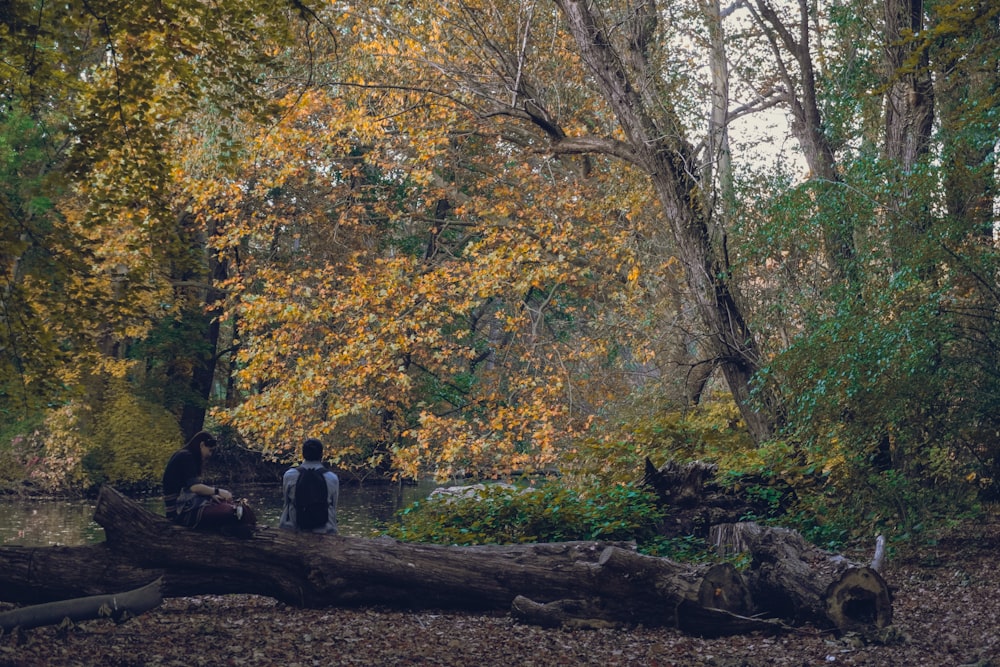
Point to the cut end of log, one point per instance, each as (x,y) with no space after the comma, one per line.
(722,587)
(859,599)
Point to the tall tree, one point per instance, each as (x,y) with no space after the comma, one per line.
(102,254)
(873,367)
(409,290)
(613,96)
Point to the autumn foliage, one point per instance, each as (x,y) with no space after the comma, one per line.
(484,238)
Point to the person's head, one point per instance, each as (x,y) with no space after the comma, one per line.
(201,445)
(312,450)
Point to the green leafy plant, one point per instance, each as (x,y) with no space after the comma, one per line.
(552,512)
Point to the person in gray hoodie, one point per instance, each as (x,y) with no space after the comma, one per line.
(303,507)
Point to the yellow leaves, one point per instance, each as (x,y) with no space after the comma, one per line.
(465,336)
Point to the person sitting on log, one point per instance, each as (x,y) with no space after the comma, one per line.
(191,503)
(310,493)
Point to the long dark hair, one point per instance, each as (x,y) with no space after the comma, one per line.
(194,445)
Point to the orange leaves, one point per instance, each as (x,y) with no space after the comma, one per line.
(410,280)
(518,432)
(463,358)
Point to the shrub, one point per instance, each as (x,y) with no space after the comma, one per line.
(552,512)
(711,431)
(133,438)
(20,452)
(120,439)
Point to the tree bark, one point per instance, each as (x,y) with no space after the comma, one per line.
(205,301)
(655,134)
(793,579)
(36,575)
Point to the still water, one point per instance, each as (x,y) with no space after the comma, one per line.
(362,511)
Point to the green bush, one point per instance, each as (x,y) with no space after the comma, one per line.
(552,512)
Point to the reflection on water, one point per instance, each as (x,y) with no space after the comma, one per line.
(363,510)
(45,522)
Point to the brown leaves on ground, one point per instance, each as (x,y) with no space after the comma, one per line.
(946,609)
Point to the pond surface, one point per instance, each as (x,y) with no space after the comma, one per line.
(362,511)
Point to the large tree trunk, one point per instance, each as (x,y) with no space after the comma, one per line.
(616,583)
(198,287)
(909,123)
(655,136)
(573,583)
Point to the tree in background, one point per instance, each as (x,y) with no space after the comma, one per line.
(515,245)
(101,252)
(414,292)
(877,368)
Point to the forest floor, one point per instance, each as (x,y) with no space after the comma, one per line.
(946,613)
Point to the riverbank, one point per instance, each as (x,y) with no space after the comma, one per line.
(947,602)
(43,521)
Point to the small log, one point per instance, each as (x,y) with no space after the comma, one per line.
(571,614)
(582,614)
(793,579)
(36,575)
(118,607)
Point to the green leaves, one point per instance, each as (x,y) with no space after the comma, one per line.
(551,512)
(35,255)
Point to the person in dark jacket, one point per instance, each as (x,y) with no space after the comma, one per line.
(189,502)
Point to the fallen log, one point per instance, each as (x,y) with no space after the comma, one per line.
(36,575)
(620,585)
(118,607)
(793,579)
(576,584)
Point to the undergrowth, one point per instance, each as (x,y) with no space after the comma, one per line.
(833,498)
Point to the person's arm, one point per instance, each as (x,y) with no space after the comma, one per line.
(213,491)
(286,520)
(189,473)
(333,490)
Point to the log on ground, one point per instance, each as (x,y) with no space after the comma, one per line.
(619,584)
(793,579)
(118,607)
(572,583)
